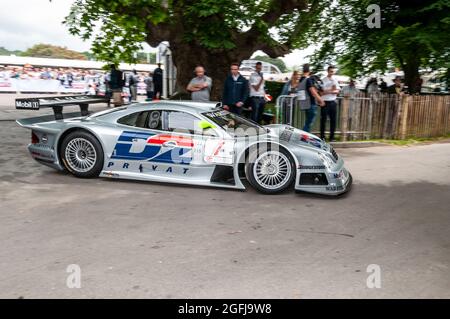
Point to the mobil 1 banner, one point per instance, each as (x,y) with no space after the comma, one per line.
(27,104)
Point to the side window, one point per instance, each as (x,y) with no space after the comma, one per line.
(181,122)
(129,119)
(147,119)
(141,119)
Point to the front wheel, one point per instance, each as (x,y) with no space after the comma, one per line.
(82,154)
(272,171)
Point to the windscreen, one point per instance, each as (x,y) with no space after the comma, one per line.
(235,124)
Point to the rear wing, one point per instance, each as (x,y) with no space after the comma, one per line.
(58,102)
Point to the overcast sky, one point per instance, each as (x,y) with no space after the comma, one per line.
(24,23)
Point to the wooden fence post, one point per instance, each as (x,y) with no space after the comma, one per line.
(387,118)
(344,118)
(437,127)
(404,116)
(369,120)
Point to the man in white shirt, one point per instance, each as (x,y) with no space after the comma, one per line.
(257,93)
(330,90)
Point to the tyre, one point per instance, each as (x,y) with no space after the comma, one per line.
(82,154)
(270,171)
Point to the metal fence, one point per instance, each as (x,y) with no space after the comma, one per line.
(388,116)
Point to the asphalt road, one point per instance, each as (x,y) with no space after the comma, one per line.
(149,240)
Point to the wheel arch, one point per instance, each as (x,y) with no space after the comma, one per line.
(242,157)
(63,135)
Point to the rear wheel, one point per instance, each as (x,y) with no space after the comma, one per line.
(82,154)
(272,171)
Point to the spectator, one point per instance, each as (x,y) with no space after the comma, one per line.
(69,77)
(329,94)
(350,91)
(108,91)
(200,86)
(418,85)
(235,90)
(383,86)
(158,81)
(15,74)
(92,89)
(133,82)
(291,86)
(116,83)
(311,99)
(149,86)
(4,74)
(257,93)
(61,78)
(372,86)
(395,88)
(317,83)
(46,74)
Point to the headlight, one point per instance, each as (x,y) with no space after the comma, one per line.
(328,162)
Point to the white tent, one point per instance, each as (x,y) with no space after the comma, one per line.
(65,63)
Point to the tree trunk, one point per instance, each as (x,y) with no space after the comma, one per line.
(412,76)
(217,64)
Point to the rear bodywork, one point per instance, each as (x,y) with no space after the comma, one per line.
(207,160)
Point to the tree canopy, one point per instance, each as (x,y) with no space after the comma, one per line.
(210,32)
(413,34)
(4,51)
(52,51)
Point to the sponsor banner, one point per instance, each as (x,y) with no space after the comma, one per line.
(39,85)
(141,88)
(54,86)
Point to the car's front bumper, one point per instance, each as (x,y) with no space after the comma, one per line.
(337,183)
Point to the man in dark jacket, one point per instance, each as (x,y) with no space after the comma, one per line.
(158,82)
(116,83)
(235,90)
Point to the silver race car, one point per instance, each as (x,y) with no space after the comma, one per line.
(181,142)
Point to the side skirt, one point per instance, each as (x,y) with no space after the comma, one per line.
(168,179)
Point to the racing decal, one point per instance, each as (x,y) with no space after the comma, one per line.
(165,148)
(219,151)
(335,188)
(158,168)
(311,140)
(179,140)
(286,135)
(313,167)
(217,113)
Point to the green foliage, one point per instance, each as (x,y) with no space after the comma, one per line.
(142,57)
(274,88)
(52,51)
(117,35)
(119,27)
(88,55)
(4,51)
(277,62)
(413,34)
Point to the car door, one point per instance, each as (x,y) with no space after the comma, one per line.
(131,148)
(182,147)
(168,145)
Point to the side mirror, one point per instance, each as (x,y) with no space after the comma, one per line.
(204,125)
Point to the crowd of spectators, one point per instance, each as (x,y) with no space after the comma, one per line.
(44,73)
(93,81)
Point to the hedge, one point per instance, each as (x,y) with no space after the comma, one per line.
(274,89)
